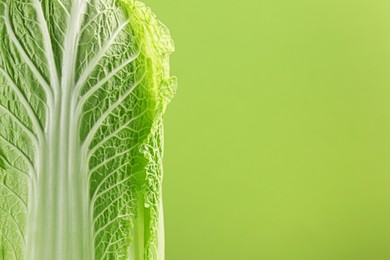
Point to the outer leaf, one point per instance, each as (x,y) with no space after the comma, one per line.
(83,88)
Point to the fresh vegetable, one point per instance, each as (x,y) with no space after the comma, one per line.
(84,85)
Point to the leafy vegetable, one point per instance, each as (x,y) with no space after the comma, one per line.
(83,88)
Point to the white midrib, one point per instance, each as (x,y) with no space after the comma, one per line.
(62,219)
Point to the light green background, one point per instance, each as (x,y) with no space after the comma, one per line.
(278,141)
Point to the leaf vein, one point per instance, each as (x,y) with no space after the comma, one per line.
(98,123)
(95,60)
(26,58)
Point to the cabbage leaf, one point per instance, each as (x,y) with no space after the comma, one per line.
(84,85)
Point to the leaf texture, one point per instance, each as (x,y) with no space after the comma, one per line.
(84,85)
